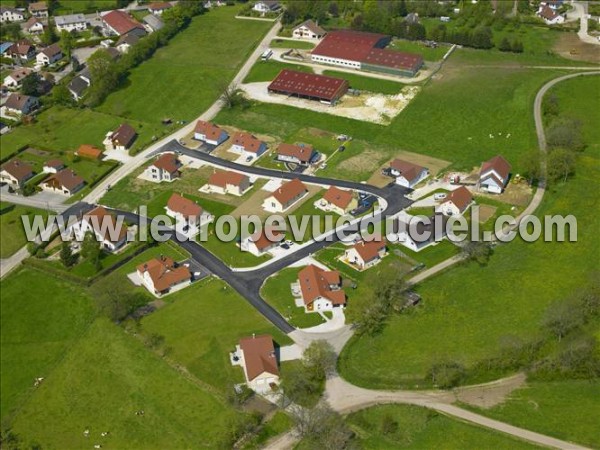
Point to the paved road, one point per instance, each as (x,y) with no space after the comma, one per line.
(580,12)
(33,202)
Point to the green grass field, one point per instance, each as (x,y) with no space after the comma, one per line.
(60,129)
(417,427)
(12,233)
(428,53)
(287,43)
(108,376)
(42,318)
(276,291)
(365,83)
(467,310)
(202,324)
(565,409)
(268,70)
(184,78)
(77,6)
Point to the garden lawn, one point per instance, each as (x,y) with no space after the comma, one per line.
(365,83)
(12,233)
(403,426)
(61,129)
(278,424)
(428,53)
(202,324)
(105,378)
(287,43)
(268,70)
(276,291)
(465,311)
(184,78)
(566,409)
(83,6)
(42,317)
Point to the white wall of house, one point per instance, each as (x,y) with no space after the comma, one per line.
(75,26)
(336,61)
(490,185)
(304,32)
(80,229)
(6,177)
(202,137)
(402,181)
(156,174)
(11,16)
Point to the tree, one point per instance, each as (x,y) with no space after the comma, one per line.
(477,251)
(320,357)
(49,36)
(61,95)
(517,46)
(30,84)
(114,300)
(334,9)
(416,32)
(321,427)
(531,162)
(67,40)
(565,133)
(11,31)
(562,317)
(105,74)
(66,255)
(550,105)
(559,165)
(90,250)
(482,38)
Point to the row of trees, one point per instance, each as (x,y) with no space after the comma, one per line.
(108,74)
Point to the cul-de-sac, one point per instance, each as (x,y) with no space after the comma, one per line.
(299,224)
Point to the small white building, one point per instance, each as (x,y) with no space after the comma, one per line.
(456,203)
(285,196)
(247,145)
(228,182)
(189,216)
(53,166)
(121,139)
(321,289)
(15,173)
(267,6)
(494,175)
(209,133)
(308,30)
(33,26)
(256,355)
(163,275)
(49,55)
(408,174)
(109,231)
(10,15)
(365,254)
(71,22)
(157,8)
(38,9)
(16,77)
(416,233)
(164,168)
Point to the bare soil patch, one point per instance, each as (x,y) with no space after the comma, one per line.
(364,162)
(485,212)
(253,205)
(518,194)
(569,46)
(490,394)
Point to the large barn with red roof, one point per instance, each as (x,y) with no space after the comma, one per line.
(307,85)
(365,51)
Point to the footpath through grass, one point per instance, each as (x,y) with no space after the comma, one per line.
(467,310)
(184,78)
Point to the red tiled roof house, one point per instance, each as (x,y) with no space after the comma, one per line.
(261,242)
(109,230)
(494,175)
(16,173)
(162,275)
(65,182)
(121,139)
(337,200)
(457,202)
(257,357)
(118,22)
(248,145)
(321,289)
(164,168)
(228,182)
(302,154)
(408,174)
(209,133)
(188,215)
(285,196)
(365,254)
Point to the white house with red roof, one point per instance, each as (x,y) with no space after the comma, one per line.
(550,15)
(302,154)
(408,174)
(15,172)
(65,182)
(189,216)
(262,241)
(119,22)
(365,254)
(228,182)
(308,30)
(248,145)
(337,200)
(285,196)
(321,289)
(256,355)
(163,275)
(109,230)
(494,175)
(164,168)
(210,133)
(457,202)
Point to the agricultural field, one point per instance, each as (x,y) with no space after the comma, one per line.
(184,78)
(202,324)
(514,284)
(563,409)
(39,325)
(108,376)
(428,53)
(403,426)
(61,130)
(12,236)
